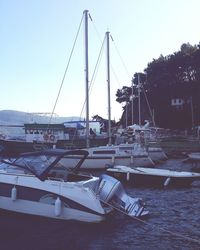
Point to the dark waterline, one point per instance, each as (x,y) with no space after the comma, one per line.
(176,210)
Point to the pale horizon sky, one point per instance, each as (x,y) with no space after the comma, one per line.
(37,38)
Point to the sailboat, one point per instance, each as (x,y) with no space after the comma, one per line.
(142,134)
(99,157)
(104,156)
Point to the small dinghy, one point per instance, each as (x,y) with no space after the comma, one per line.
(153,177)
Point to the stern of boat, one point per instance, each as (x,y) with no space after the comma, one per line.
(111,192)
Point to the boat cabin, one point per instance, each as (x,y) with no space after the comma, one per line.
(45,132)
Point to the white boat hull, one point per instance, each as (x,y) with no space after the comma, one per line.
(103,163)
(151,177)
(102,157)
(46,193)
(47,210)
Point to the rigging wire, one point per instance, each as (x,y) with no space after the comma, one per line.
(150,111)
(96,65)
(94,72)
(123,63)
(185,237)
(96,30)
(112,69)
(66,69)
(116,77)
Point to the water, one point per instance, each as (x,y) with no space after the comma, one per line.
(174,210)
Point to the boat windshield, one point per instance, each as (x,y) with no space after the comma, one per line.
(40,163)
(36,165)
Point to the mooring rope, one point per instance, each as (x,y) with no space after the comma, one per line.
(153,226)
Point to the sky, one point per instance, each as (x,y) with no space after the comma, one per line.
(37,37)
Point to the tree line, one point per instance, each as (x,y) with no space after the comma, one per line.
(167,93)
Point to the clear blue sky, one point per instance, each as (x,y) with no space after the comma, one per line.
(37,38)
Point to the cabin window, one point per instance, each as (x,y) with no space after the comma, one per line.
(125,148)
(104,152)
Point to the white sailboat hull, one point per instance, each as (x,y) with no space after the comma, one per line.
(104,162)
(104,156)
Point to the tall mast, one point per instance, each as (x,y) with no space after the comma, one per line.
(192,112)
(132,102)
(108,81)
(139,107)
(86,78)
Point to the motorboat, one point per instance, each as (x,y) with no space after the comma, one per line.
(124,154)
(38,184)
(153,177)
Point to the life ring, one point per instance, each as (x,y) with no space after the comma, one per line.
(52,137)
(46,137)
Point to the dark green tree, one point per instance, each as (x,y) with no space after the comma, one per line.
(173,77)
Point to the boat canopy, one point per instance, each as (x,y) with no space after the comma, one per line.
(40,163)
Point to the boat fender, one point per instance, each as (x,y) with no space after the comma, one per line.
(131,159)
(14,194)
(167,181)
(128,176)
(57,206)
(113,159)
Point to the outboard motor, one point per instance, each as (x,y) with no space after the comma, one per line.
(111,192)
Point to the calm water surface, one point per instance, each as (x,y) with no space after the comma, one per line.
(174,210)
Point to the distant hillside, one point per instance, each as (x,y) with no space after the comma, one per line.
(12,117)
